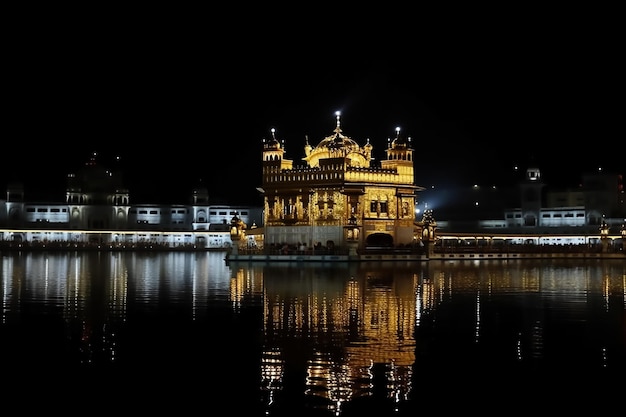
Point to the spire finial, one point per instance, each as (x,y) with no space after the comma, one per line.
(338,115)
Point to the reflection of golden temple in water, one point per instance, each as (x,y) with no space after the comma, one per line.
(342,334)
(350,329)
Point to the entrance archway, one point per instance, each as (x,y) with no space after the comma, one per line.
(380,240)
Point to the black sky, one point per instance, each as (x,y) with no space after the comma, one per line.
(184,106)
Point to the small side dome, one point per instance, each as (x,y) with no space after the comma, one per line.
(399,142)
(273,143)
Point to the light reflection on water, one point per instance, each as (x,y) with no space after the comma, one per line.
(334,339)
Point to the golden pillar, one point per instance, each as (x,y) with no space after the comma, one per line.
(352,235)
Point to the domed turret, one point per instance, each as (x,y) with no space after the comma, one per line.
(399,149)
(273,144)
(399,142)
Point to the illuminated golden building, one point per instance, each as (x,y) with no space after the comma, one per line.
(339,195)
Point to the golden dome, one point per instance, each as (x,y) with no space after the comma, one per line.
(339,145)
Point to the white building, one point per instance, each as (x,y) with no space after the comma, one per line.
(97,212)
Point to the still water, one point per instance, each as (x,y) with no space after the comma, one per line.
(186,333)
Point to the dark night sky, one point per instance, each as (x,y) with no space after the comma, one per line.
(185,106)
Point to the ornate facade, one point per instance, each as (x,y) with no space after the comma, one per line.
(338,194)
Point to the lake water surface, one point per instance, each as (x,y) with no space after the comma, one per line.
(185,333)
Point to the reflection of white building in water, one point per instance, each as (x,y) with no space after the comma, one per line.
(97,212)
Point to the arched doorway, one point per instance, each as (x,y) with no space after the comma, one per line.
(379,240)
